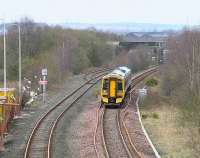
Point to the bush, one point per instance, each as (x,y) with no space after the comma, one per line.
(150,115)
(144,116)
(155,116)
(151,82)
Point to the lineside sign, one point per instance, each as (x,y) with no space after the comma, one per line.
(43,82)
(44,72)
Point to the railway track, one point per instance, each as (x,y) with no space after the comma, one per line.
(133,132)
(39,144)
(116,141)
(95,72)
(131,148)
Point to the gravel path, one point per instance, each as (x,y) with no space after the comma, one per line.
(113,140)
(21,127)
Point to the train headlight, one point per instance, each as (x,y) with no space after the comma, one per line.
(119,94)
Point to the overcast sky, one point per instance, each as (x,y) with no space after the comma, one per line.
(103,11)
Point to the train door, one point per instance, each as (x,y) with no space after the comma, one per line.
(112,88)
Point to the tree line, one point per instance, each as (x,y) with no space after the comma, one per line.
(180,78)
(63,51)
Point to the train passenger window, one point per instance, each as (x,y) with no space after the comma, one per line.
(105,84)
(119,85)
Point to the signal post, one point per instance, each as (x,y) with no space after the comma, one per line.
(43,83)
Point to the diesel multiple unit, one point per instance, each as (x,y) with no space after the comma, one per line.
(115,85)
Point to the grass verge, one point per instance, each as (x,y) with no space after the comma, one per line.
(162,120)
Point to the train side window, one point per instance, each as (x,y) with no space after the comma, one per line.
(119,85)
(105,84)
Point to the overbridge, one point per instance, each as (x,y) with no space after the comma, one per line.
(152,39)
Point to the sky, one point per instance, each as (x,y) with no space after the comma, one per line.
(185,12)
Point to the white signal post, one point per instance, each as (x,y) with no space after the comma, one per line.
(44,83)
(44,89)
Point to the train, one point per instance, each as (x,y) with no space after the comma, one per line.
(115,85)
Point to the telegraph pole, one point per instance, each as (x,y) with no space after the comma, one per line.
(19,60)
(20,64)
(4,53)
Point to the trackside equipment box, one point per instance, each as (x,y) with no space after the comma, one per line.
(7,110)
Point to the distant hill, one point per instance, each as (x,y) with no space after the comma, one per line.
(124,27)
(121,28)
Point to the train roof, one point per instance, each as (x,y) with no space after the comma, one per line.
(124,69)
(120,72)
(116,74)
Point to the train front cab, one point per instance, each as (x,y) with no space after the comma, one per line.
(112,91)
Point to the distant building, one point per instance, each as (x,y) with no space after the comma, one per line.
(113,43)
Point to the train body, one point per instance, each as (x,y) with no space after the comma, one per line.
(115,85)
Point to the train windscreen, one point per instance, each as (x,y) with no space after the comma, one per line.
(105,84)
(119,85)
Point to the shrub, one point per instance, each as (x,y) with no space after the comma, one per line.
(155,115)
(152,82)
(144,116)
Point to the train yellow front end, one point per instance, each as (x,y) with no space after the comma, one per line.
(114,87)
(112,91)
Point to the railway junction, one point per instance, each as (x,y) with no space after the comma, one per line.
(77,121)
